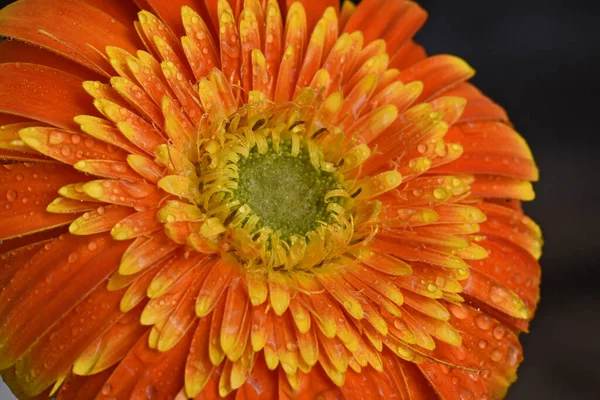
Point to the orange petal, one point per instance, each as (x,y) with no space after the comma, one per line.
(235,320)
(183,316)
(490,186)
(138,224)
(145,251)
(138,99)
(520,272)
(99,220)
(438,74)
(214,286)
(491,148)
(138,195)
(42,93)
(109,348)
(513,226)
(13,51)
(479,107)
(315,9)
(198,45)
(108,169)
(229,41)
(145,368)
(273,42)
(27,189)
(105,131)
(82,387)
(137,285)
(98,255)
(199,368)
(13,261)
(75,30)
(489,353)
(134,128)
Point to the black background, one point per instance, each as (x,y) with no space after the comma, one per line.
(540,59)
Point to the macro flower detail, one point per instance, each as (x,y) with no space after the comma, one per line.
(254,199)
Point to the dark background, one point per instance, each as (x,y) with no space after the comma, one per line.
(540,59)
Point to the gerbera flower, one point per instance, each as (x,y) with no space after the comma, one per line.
(257,199)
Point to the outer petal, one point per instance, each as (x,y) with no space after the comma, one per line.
(58,272)
(73,29)
(26,190)
(43,94)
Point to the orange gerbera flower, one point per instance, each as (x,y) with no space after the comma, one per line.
(254,199)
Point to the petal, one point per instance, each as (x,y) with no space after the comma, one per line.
(48,361)
(75,30)
(82,387)
(491,148)
(46,274)
(68,147)
(315,9)
(11,262)
(438,74)
(42,93)
(498,187)
(513,226)
(145,251)
(199,368)
(13,51)
(27,189)
(479,107)
(109,348)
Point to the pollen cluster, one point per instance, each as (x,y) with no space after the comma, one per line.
(285,190)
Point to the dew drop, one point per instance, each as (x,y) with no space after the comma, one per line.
(291,346)
(498,294)
(483,322)
(11,195)
(465,394)
(496,355)
(513,355)
(107,389)
(499,332)
(439,193)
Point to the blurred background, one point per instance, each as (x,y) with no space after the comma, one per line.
(540,59)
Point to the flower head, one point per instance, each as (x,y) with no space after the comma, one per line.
(257,199)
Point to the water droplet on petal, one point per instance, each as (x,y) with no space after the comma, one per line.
(11,195)
(483,322)
(496,355)
(499,332)
(107,389)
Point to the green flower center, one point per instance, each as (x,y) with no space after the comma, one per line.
(286,192)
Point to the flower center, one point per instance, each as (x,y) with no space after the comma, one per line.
(274,186)
(286,192)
